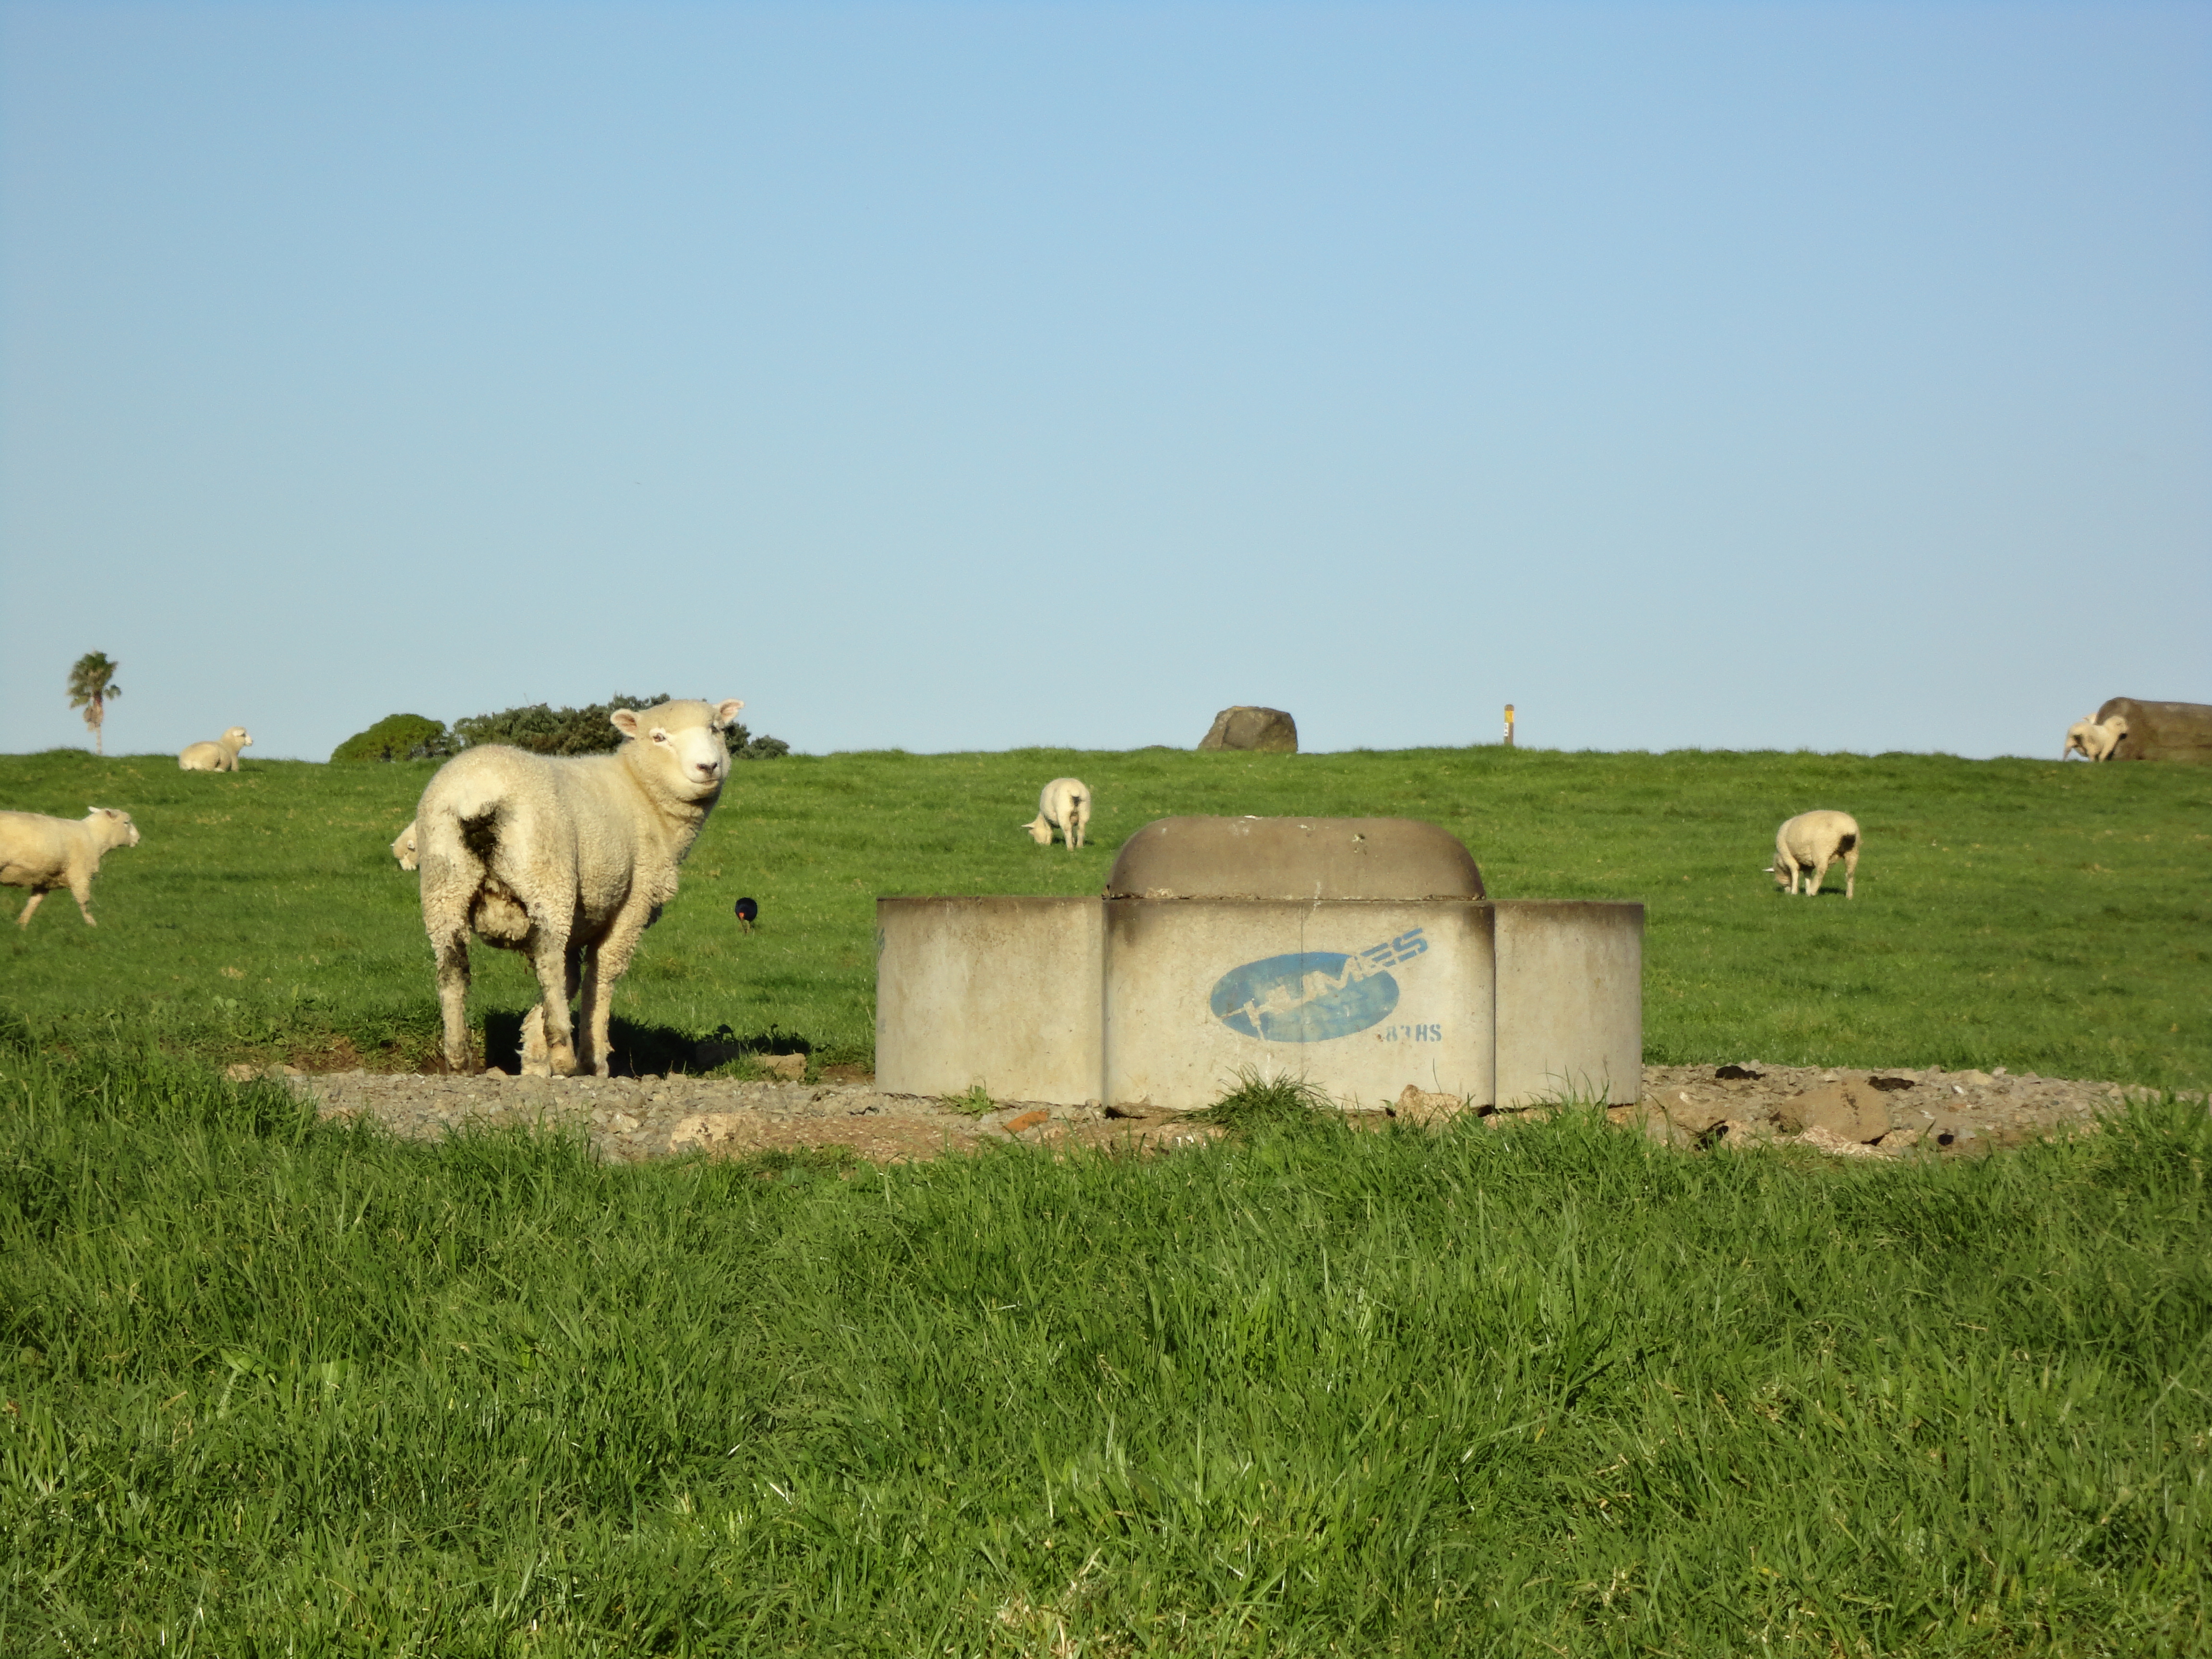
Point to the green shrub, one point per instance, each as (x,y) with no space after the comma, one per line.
(588,730)
(399,737)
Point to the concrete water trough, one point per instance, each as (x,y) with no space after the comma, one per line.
(1359,954)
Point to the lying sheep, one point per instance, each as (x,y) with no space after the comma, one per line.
(43,854)
(1063,805)
(2092,741)
(403,847)
(220,755)
(566,859)
(1812,842)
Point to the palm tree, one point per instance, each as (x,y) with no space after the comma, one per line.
(91,683)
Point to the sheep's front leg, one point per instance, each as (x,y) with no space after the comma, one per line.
(80,890)
(610,961)
(36,894)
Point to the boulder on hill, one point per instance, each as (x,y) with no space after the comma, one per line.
(2162,731)
(1247,727)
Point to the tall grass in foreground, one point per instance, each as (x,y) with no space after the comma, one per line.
(278,1387)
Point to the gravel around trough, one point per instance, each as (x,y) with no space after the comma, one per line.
(1883,1114)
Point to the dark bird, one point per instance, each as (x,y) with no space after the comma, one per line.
(748,913)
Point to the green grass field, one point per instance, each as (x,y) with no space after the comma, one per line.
(2017,912)
(273,1386)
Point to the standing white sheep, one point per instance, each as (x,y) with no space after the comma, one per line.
(2094,741)
(220,755)
(43,854)
(566,859)
(1063,805)
(1812,842)
(403,847)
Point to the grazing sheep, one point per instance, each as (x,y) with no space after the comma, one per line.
(220,755)
(2092,740)
(403,847)
(1063,805)
(566,859)
(1812,842)
(42,853)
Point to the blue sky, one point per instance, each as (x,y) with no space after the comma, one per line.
(966,376)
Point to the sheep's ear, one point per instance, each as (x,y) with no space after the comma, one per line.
(624,720)
(725,713)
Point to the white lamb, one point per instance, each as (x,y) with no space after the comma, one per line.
(2093,742)
(566,859)
(1063,805)
(43,854)
(1810,843)
(220,755)
(403,847)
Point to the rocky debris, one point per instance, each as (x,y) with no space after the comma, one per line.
(630,1119)
(1827,1141)
(1248,727)
(1889,1113)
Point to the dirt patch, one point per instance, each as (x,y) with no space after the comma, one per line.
(630,1119)
(1886,1114)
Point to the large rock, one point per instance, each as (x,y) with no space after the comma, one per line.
(1246,727)
(1848,1109)
(2161,731)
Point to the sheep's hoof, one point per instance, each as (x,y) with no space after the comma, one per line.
(536,1065)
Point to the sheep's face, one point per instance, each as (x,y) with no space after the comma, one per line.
(119,825)
(1040,831)
(238,737)
(683,741)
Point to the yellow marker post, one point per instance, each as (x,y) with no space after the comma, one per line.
(1509,726)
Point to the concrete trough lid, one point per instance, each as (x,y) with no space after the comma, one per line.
(1303,859)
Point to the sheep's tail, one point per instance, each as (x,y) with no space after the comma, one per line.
(456,840)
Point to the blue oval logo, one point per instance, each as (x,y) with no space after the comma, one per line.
(1308,997)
